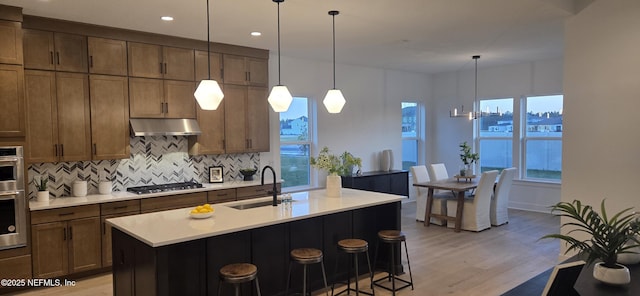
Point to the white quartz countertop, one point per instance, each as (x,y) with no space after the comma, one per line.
(71,201)
(176,226)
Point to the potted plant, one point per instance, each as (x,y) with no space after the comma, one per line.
(335,166)
(42,194)
(607,237)
(467,158)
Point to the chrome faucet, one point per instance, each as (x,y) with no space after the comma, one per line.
(275,188)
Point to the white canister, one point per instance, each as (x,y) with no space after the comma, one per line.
(79,188)
(104,187)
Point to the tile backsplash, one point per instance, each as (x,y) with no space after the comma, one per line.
(154,160)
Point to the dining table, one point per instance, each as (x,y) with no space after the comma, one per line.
(458,188)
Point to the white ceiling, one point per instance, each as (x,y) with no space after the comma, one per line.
(427,36)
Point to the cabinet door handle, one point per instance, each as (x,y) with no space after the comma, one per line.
(90,61)
(66,214)
(246,76)
(61,149)
(95,149)
(120,207)
(51,55)
(166,107)
(70,232)
(55,149)
(161,68)
(249,74)
(64,233)
(223,194)
(165,68)
(58,57)
(104,228)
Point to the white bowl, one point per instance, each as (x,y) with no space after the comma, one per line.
(201,215)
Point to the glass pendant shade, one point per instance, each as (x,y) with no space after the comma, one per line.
(208,94)
(280,98)
(334,101)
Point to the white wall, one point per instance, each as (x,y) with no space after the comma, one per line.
(453,89)
(602,99)
(371,119)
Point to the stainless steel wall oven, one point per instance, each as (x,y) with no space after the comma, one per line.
(13,228)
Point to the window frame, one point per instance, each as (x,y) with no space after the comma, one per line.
(311,139)
(418,131)
(479,138)
(525,138)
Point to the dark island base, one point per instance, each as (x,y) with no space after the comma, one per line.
(191,268)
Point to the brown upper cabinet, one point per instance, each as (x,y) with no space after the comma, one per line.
(109,117)
(201,66)
(212,139)
(155,98)
(246,119)
(12,110)
(107,56)
(10,42)
(45,50)
(59,116)
(155,61)
(245,70)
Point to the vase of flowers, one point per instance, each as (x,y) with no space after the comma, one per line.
(335,166)
(468,159)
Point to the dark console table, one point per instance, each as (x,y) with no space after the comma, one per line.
(392,182)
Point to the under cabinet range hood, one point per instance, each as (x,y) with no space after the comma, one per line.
(164,127)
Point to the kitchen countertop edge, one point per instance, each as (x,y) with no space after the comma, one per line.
(72,201)
(243,219)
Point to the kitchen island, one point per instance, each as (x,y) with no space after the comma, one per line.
(169,253)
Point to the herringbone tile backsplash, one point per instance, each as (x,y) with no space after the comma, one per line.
(154,160)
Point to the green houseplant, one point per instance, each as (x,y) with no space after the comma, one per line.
(467,158)
(607,236)
(42,194)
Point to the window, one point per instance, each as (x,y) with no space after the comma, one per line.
(295,144)
(543,137)
(410,134)
(496,134)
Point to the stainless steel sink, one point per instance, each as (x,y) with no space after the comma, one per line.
(252,205)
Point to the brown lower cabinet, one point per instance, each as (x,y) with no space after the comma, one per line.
(114,210)
(172,202)
(61,248)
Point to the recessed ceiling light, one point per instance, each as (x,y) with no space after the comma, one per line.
(167,18)
(256,34)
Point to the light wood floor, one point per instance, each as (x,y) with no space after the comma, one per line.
(443,262)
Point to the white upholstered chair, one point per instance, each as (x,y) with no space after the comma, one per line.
(437,172)
(475,215)
(500,199)
(419,175)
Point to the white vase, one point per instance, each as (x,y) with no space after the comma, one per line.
(630,258)
(385,160)
(334,186)
(612,276)
(104,187)
(79,188)
(42,196)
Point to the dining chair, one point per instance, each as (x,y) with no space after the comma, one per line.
(437,172)
(500,199)
(475,213)
(419,175)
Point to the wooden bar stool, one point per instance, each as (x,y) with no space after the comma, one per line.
(237,274)
(355,246)
(393,238)
(306,256)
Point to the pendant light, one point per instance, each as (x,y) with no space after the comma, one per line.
(472,114)
(208,94)
(280,98)
(334,100)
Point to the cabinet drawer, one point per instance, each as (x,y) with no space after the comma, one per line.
(16,267)
(64,214)
(120,207)
(172,202)
(223,195)
(255,191)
